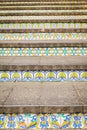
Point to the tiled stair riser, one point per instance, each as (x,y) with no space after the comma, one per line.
(45,76)
(42,25)
(63,51)
(43,36)
(33,121)
(42,17)
(41,11)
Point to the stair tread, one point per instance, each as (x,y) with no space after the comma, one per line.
(54,30)
(61,61)
(62,96)
(35,44)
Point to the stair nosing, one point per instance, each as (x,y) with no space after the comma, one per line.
(42,67)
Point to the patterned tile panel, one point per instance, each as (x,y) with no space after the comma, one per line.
(43,36)
(44,76)
(34,121)
(42,25)
(63,51)
(42,17)
(40,11)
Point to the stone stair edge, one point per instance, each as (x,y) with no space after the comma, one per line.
(42,67)
(37,109)
(38,44)
(45,20)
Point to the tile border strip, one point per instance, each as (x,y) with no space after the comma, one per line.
(43,76)
(40,121)
(62,51)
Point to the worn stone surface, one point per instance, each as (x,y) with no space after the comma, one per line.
(43,97)
(52,60)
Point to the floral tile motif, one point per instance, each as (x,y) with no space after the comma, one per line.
(65,120)
(42,25)
(21,121)
(62,51)
(43,76)
(42,17)
(3,121)
(55,120)
(32,120)
(36,121)
(43,36)
(85,120)
(44,121)
(77,121)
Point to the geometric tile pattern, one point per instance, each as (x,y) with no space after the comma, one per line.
(41,11)
(43,17)
(43,36)
(44,76)
(62,51)
(42,25)
(33,121)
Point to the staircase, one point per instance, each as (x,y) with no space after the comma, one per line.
(43,64)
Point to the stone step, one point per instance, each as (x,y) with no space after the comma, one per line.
(43,44)
(24,97)
(52,19)
(56,30)
(68,62)
(50,7)
(45,14)
(40,3)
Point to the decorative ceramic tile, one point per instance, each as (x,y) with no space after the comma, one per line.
(55,120)
(63,51)
(2,121)
(42,25)
(36,121)
(85,120)
(43,36)
(32,120)
(77,121)
(43,76)
(66,120)
(45,2)
(42,17)
(21,120)
(44,121)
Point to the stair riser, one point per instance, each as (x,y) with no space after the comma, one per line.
(43,11)
(42,25)
(40,121)
(43,76)
(44,18)
(65,51)
(43,36)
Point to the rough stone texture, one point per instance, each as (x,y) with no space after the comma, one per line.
(46,97)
